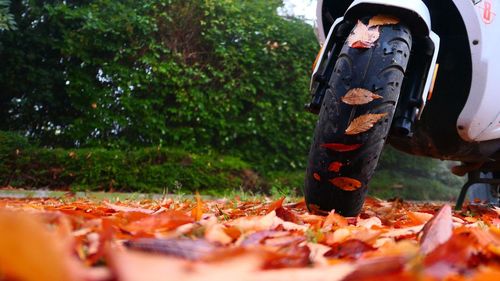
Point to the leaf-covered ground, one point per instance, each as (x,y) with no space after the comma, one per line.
(74,239)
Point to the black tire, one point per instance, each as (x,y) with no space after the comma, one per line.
(379,69)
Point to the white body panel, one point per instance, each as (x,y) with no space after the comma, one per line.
(480,118)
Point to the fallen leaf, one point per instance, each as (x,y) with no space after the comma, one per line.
(453,256)
(363,123)
(334,219)
(378,268)
(437,231)
(359,96)
(183,248)
(339,147)
(335,167)
(419,217)
(316,176)
(487,274)
(275,205)
(362,36)
(403,232)
(165,221)
(293,256)
(345,183)
(122,208)
(197,211)
(257,223)
(287,215)
(217,233)
(29,252)
(349,249)
(258,237)
(379,20)
(317,253)
(369,222)
(242,265)
(236,239)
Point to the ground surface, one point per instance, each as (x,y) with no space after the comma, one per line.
(230,239)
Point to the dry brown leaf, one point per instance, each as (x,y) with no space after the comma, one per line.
(349,249)
(345,183)
(382,20)
(124,208)
(402,232)
(222,239)
(29,252)
(363,123)
(437,231)
(359,96)
(363,37)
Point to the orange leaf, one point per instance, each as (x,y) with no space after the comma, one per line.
(161,222)
(275,205)
(363,37)
(363,123)
(452,256)
(334,219)
(359,96)
(341,147)
(197,211)
(316,176)
(382,20)
(28,251)
(335,167)
(345,183)
(287,215)
(437,231)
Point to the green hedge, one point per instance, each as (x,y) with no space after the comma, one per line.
(142,170)
(201,75)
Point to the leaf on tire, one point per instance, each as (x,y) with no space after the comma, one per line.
(340,147)
(359,96)
(335,166)
(379,20)
(316,176)
(363,37)
(363,123)
(345,183)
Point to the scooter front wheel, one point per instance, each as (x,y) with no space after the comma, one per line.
(349,137)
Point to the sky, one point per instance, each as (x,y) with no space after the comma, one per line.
(303,8)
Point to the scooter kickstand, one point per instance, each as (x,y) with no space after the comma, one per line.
(474,178)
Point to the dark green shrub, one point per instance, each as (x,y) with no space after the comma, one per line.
(230,76)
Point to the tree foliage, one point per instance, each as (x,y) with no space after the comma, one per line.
(203,74)
(6,18)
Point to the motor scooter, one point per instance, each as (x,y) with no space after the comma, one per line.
(420,75)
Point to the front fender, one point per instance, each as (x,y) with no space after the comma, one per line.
(414,13)
(416,9)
